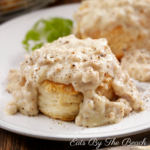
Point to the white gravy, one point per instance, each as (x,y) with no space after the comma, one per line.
(84,64)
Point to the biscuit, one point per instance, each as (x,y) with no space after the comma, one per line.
(59,101)
(124,24)
(72,79)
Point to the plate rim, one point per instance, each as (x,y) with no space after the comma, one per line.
(63,137)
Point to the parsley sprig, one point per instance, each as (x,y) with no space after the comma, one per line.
(46,30)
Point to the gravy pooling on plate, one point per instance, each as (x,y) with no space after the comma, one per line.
(85,64)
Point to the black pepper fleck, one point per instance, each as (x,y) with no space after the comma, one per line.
(73,65)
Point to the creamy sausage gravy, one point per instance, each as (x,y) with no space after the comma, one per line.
(137,63)
(84,64)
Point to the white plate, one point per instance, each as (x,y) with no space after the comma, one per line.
(12,53)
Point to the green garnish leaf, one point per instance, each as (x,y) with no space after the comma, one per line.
(46,30)
(32,35)
(37,46)
(53,35)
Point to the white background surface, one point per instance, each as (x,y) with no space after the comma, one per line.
(12,53)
